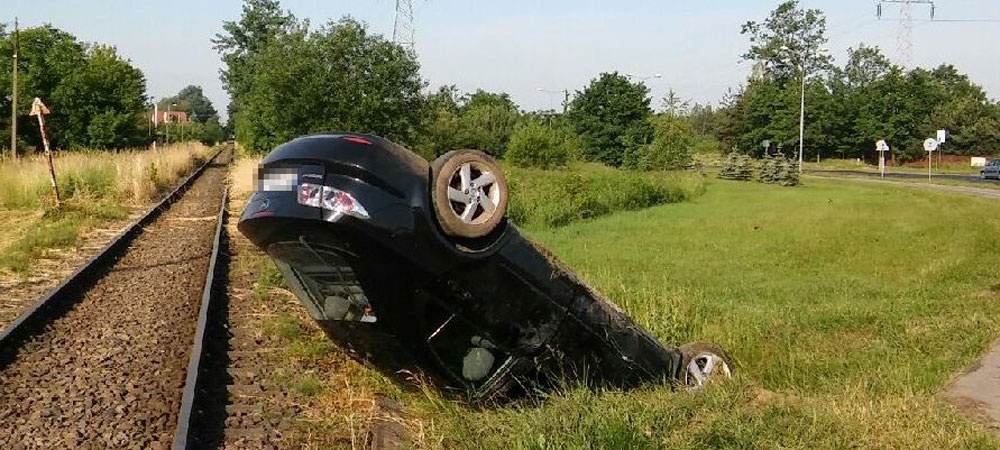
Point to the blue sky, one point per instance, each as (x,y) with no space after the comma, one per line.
(519,46)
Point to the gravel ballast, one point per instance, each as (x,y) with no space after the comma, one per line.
(110,372)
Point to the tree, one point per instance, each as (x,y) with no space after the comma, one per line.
(243,39)
(47,55)
(438,130)
(487,121)
(97,98)
(673,104)
(671,149)
(965,112)
(338,77)
(102,103)
(788,41)
(536,145)
(610,115)
(865,65)
(191,100)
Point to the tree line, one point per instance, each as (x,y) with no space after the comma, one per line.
(848,107)
(97,98)
(287,78)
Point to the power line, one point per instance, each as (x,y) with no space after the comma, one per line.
(962,20)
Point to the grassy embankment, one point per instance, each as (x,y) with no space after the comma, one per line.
(96,187)
(335,393)
(847,307)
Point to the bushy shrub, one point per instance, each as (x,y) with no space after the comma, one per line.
(777,169)
(738,166)
(535,145)
(673,142)
(555,198)
(770,169)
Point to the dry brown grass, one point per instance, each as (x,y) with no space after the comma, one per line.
(130,176)
(97,187)
(241,178)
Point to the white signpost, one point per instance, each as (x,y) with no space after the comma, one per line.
(881,147)
(942,137)
(930,145)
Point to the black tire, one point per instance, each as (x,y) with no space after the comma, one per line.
(700,353)
(473,210)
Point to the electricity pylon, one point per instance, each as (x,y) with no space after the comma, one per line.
(402,32)
(905,39)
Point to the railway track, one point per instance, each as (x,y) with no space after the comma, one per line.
(114,356)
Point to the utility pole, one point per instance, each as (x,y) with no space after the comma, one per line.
(13,97)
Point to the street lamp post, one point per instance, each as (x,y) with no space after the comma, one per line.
(802,103)
(644,78)
(565,93)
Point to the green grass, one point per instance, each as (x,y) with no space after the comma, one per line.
(585,191)
(57,229)
(933,180)
(853,164)
(847,307)
(309,385)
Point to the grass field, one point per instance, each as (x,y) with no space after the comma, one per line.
(853,164)
(96,187)
(847,308)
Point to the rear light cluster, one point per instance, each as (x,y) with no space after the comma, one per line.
(337,202)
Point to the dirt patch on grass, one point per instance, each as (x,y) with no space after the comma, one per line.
(976,392)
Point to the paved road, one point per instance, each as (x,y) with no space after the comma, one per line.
(904,175)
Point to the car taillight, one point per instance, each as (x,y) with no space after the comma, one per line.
(310,194)
(335,201)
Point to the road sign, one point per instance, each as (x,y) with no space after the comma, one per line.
(37,107)
(39,110)
(881,147)
(942,136)
(931,144)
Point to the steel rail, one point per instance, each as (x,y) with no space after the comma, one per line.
(189,399)
(61,297)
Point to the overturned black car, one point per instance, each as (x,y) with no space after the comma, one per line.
(405,262)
